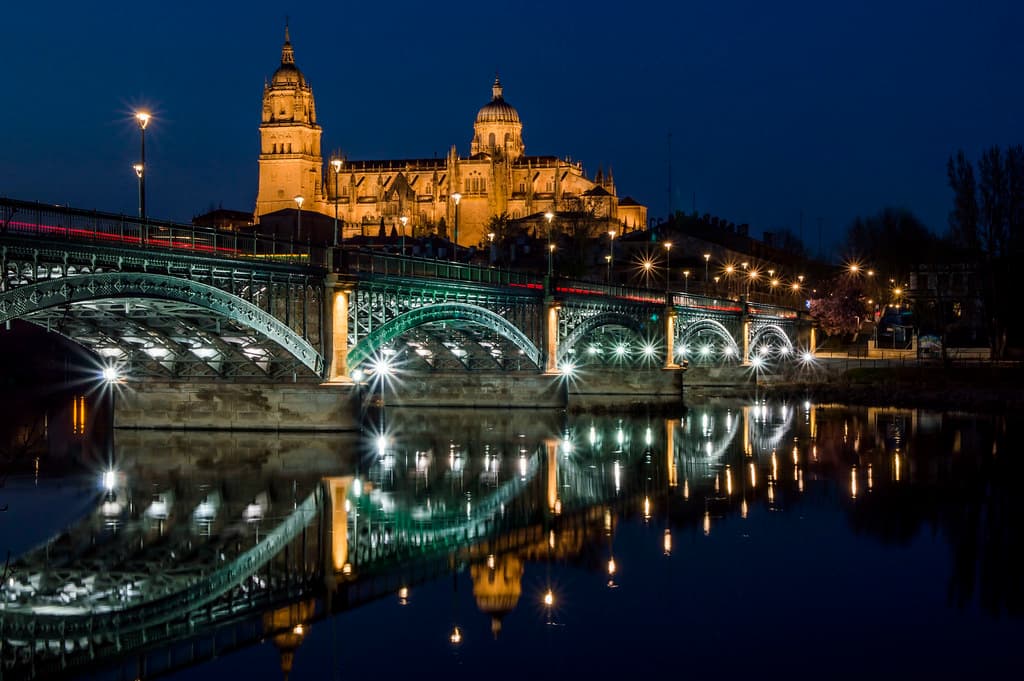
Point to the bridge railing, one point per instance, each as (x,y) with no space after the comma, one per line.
(38,220)
(412,266)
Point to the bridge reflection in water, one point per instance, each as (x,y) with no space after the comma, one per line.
(203,543)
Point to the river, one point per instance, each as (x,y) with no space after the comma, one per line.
(762,538)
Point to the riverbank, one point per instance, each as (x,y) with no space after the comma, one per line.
(984,388)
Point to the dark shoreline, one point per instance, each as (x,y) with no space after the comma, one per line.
(977,389)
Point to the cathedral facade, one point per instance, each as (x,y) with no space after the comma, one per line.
(446,195)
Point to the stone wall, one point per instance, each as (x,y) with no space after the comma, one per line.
(235,406)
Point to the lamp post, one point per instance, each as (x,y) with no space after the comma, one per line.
(139,169)
(611,251)
(142,118)
(405,221)
(608,264)
(549,216)
(707,260)
(298,229)
(668,265)
(686,281)
(456,197)
(336,164)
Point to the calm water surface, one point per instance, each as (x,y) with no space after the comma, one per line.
(764,539)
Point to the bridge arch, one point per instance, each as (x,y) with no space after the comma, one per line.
(31,300)
(440,312)
(594,322)
(713,327)
(767,332)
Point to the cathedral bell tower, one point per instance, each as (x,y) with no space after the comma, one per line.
(290,162)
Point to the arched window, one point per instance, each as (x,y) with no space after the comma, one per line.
(490,140)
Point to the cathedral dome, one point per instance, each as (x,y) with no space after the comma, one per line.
(497,110)
(288,73)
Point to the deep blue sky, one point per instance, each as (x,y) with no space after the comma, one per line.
(836,109)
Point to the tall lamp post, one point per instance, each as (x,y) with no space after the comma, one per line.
(142,118)
(298,229)
(456,197)
(404,220)
(549,216)
(336,164)
(707,259)
(686,281)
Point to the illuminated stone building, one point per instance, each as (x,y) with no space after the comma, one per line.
(496,178)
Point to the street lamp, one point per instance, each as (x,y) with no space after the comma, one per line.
(336,164)
(298,230)
(611,250)
(139,169)
(668,264)
(707,260)
(549,216)
(686,281)
(456,197)
(750,278)
(142,118)
(405,221)
(608,265)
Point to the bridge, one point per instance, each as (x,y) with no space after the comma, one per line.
(170,559)
(180,302)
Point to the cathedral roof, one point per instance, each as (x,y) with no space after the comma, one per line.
(288,73)
(497,110)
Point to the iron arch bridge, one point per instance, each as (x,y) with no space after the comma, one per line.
(171,300)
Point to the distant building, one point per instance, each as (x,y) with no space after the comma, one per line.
(947,301)
(496,178)
(228,220)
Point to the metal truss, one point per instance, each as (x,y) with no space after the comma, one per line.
(171,313)
(685,333)
(585,325)
(764,332)
(382,335)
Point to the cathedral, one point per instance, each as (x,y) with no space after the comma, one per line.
(456,196)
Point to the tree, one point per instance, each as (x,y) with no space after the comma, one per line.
(963,219)
(993,194)
(987,222)
(840,308)
(892,241)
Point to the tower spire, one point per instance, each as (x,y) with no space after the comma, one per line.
(287,53)
(496,88)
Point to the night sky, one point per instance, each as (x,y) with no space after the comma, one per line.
(830,109)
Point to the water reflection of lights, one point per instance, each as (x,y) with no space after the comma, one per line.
(456,636)
(403,596)
(549,598)
(666,542)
